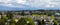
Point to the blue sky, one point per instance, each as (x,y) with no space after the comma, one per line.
(29,4)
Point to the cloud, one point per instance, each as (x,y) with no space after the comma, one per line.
(5,1)
(21,1)
(45,3)
(13,3)
(31,3)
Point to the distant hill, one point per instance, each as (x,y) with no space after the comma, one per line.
(3,8)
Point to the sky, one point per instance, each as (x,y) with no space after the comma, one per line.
(29,4)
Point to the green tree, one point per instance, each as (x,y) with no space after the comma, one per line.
(10,15)
(31,22)
(43,23)
(21,21)
(12,22)
(22,13)
(39,22)
(3,20)
(25,21)
(50,13)
(55,22)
